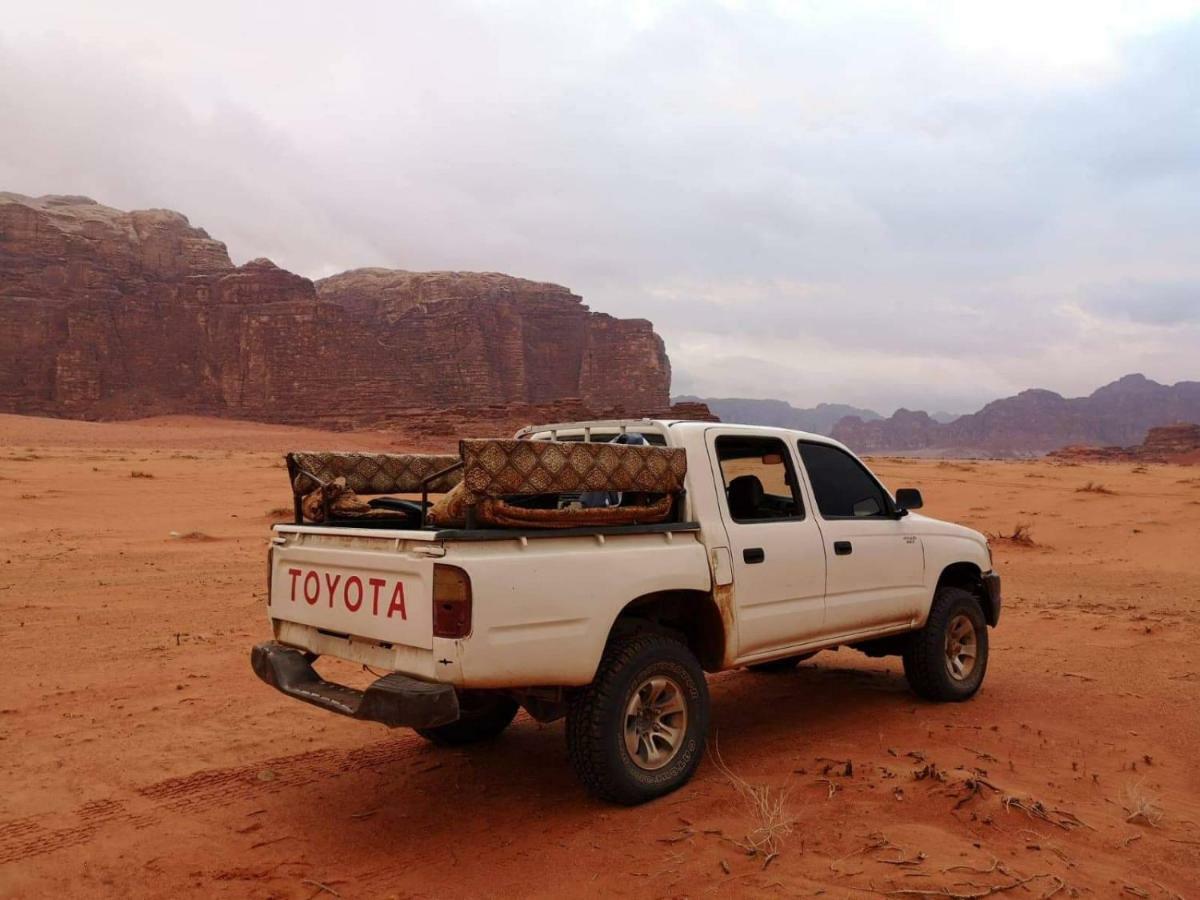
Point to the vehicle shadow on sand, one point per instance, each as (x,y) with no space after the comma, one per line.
(521,780)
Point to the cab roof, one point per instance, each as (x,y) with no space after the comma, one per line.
(675,425)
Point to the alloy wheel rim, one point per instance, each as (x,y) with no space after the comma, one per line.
(655,722)
(962,647)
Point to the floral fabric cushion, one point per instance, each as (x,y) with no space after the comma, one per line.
(495,468)
(370,473)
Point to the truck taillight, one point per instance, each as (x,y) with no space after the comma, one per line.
(451,602)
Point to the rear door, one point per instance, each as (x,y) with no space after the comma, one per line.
(876,565)
(777,555)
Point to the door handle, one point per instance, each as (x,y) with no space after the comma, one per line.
(843,548)
(754,555)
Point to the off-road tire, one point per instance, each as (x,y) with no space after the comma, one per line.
(787,664)
(482,716)
(596,719)
(925,659)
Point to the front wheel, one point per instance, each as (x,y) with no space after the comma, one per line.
(947,659)
(638,730)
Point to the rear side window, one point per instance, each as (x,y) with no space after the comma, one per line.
(760,483)
(842,487)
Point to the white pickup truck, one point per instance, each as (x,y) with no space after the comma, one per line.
(783,544)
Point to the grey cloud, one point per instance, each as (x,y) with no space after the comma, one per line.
(783,197)
(1161,304)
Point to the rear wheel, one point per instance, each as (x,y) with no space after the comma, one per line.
(947,659)
(482,716)
(782,665)
(638,730)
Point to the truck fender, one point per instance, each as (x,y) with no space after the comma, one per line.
(696,617)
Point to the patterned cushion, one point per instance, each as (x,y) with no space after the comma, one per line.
(370,473)
(494,468)
(341,503)
(450,510)
(497,512)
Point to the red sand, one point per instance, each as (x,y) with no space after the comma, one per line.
(141,757)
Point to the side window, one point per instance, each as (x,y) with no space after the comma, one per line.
(760,483)
(842,488)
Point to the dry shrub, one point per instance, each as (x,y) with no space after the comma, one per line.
(1019,536)
(768,809)
(192,536)
(1141,808)
(1093,487)
(138,473)
(958,466)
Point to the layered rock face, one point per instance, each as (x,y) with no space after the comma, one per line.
(110,314)
(1034,421)
(1179,443)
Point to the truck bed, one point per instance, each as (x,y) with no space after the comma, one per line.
(542,600)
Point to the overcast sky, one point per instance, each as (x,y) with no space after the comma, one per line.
(890,204)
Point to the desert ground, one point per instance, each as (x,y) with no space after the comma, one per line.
(141,757)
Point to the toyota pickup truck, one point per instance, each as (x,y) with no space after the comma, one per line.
(779,544)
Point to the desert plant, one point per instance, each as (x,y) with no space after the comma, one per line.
(192,536)
(1093,487)
(768,809)
(1020,535)
(1140,807)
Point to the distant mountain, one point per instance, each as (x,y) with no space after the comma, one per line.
(1033,422)
(819,419)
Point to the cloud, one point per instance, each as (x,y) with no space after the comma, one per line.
(885,204)
(1164,305)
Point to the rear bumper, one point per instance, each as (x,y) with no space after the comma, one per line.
(394,700)
(991,585)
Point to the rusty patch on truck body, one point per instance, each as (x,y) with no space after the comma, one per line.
(723,596)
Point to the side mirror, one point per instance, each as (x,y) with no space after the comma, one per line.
(908,498)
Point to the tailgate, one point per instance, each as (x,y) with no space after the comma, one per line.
(369,586)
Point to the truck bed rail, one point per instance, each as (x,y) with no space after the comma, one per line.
(508,534)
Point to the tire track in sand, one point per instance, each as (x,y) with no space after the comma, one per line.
(30,836)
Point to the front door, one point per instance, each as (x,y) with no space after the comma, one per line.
(876,565)
(775,544)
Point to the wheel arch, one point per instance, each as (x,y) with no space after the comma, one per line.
(968,576)
(692,614)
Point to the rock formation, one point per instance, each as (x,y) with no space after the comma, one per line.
(1033,422)
(1179,443)
(111,314)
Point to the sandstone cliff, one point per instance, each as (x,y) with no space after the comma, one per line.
(1033,422)
(1179,443)
(111,314)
